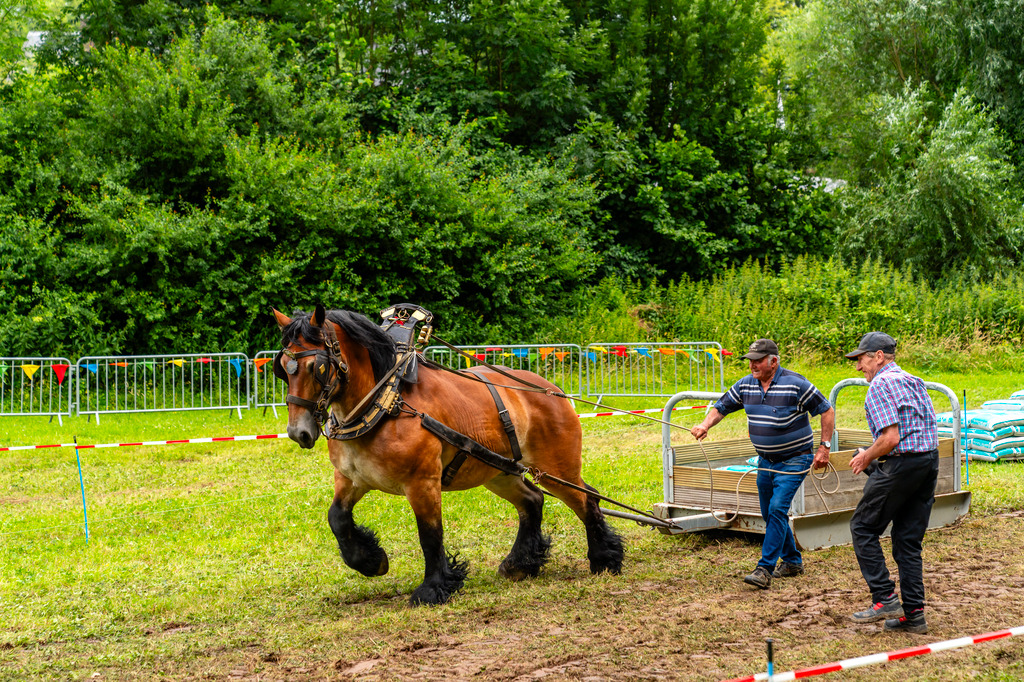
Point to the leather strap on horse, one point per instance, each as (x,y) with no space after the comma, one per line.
(468,446)
(506,419)
(382,400)
(465,444)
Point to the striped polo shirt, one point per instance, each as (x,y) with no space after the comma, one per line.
(778,419)
(896,397)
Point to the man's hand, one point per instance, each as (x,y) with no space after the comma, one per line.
(860,461)
(821,457)
(700,432)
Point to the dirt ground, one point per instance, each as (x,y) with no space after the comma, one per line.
(680,613)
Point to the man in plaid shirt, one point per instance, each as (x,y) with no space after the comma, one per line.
(902,466)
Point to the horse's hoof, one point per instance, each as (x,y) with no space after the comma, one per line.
(513,574)
(429,597)
(371,564)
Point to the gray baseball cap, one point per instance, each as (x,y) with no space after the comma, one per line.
(871,342)
(761,348)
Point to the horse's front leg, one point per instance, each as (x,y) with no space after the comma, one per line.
(443,573)
(359,545)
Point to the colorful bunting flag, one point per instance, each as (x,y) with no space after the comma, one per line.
(92,367)
(118,364)
(545,352)
(592,355)
(561,354)
(713,352)
(598,349)
(259,362)
(643,351)
(177,363)
(493,349)
(60,371)
(237,364)
(521,352)
(619,351)
(205,361)
(667,351)
(30,370)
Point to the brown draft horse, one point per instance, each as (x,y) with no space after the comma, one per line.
(400,457)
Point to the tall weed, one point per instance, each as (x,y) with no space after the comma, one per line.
(819,308)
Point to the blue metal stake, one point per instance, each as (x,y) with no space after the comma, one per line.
(771,659)
(81,482)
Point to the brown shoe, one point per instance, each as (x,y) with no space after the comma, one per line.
(760,578)
(788,570)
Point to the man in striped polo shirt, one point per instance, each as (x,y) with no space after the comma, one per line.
(778,403)
(902,466)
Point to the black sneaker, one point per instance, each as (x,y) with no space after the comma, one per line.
(788,570)
(760,578)
(880,611)
(915,624)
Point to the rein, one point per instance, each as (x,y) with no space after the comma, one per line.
(538,475)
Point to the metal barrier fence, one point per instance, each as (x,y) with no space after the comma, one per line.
(36,386)
(267,390)
(653,369)
(53,386)
(162,383)
(558,363)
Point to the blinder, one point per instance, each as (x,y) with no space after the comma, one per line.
(286,363)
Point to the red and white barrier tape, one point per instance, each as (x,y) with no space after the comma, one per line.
(216,439)
(883,658)
(222,439)
(656,409)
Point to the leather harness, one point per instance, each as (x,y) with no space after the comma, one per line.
(385,398)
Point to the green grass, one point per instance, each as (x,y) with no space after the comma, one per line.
(204,558)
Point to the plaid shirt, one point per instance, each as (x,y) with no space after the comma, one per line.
(777,419)
(895,397)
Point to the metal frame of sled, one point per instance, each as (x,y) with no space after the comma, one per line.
(819,519)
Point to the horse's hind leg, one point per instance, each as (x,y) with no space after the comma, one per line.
(529,553)
(443,573)
(359,545)
(604,545)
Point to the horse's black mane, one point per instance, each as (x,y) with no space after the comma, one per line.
(358,327)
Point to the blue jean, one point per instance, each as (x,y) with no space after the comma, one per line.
(775,492)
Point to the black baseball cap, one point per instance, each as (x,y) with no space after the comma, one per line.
(761,348)
(874,341)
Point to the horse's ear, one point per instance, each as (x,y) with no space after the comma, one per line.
(282,319)
(319,315)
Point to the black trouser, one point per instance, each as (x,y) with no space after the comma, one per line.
(899,489)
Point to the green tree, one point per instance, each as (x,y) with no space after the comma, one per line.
(946,201)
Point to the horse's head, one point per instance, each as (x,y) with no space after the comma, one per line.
(328,358)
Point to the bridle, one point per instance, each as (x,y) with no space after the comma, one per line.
(328,369)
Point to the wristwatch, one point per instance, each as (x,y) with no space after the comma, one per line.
(827,444)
